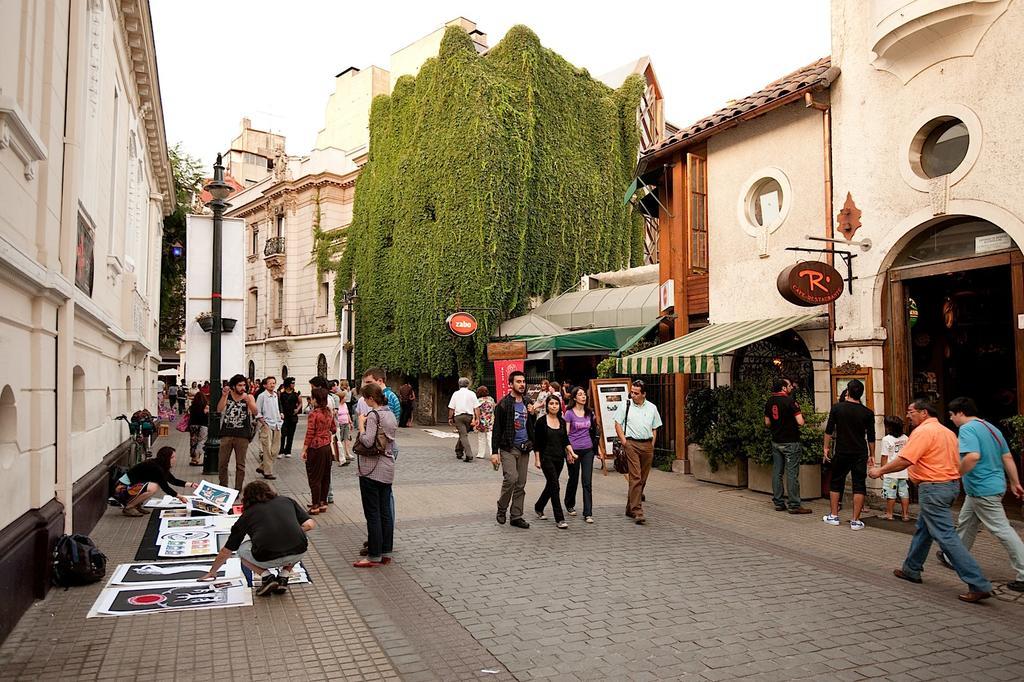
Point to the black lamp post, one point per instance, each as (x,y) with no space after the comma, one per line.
(219,190)
(349,298)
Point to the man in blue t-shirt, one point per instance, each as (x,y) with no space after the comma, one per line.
(986,464)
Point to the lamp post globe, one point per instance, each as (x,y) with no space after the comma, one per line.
(219,191)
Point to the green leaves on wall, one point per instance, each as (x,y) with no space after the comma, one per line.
(490,179)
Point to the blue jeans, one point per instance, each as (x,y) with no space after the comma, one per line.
(585,462)
(935,522)
(786,457)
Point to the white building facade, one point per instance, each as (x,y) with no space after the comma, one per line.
(85,182)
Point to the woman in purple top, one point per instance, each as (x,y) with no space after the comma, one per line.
(583,436)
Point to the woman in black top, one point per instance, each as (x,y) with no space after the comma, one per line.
(145,479)
(551,449)
(198,421)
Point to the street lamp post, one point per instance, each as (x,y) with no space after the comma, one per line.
(219,190)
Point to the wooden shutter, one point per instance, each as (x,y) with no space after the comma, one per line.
(697,212)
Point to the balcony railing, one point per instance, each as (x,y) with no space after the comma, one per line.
(273,247)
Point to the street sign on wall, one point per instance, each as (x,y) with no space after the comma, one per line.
(462,324)
(810,283)
(507,350)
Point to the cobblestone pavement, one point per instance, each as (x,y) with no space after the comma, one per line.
(716,586)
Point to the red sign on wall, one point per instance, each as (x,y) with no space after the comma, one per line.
(502,368)
(462,324)
(810,283)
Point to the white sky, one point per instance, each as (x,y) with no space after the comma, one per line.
(275,61)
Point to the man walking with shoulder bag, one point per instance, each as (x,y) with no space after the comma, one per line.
(637,435)
(511,443)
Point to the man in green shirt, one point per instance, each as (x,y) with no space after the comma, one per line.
(637,427)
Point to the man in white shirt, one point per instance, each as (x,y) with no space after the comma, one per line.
(268,414)
(637,428)
(463,414)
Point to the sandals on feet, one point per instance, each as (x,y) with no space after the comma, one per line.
(366,563)
(312,511)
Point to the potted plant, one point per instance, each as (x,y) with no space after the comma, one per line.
(205,320)
(716,434)
(227,324)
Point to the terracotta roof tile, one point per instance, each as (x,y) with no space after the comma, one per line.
(816,73)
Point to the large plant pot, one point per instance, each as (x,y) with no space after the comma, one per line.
(759,479)
(734,475)
(227,324)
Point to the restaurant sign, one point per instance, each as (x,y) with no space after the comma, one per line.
(461,324)
(810,283)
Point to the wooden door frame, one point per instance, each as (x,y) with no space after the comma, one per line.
(894,315)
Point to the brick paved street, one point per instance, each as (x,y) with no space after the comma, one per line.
(715,587)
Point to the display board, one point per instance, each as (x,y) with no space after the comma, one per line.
(610,397)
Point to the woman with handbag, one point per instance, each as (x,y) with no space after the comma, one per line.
(317,452)
(376,466)
(551,449)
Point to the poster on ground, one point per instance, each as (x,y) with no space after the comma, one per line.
(212,495)
(121,601)
(162,572)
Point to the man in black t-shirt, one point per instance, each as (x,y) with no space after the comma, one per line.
(276,527)
(851,426)
(783,418)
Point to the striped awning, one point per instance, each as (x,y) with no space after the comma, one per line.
(698,352)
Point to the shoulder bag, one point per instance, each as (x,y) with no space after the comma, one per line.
(620,461)
(378,449)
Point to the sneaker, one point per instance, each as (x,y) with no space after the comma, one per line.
(480,457)
(288,455)
(282,584)
(941,556)
(500,518)
(856,525)
(540,515)
(519,523)
(345,462)
(571,511)
(1015,585)
(830,519)
(267,585)
(562,525)
(588,519)
(280,455)
(132,511)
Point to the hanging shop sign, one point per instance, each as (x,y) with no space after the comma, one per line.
(462,324)
(810,283)
(506,350)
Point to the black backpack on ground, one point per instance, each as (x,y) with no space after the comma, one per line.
(77,561)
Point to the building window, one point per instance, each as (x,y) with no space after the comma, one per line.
(252,371)
(255,239)
(321,366)
(697,200)
(77,399)
(280,225)
(278,300)
(254,301)
(944,146)
(84,257)
(323,299)
(765,203)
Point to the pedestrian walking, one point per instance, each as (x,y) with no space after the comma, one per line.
(406,398)
(198,424)
(172,397)
(317,452)
(290,401)
(268,414)
(636,433)
(237,410)
(376,465)
(511,444)
(551,449)
(464,414)
(897,484)
(484,422)
(986,464)
(852,427)
(542,397)
(931,455)
(783,418)
(344,422)
(270,534)
(584,438)
(182,396)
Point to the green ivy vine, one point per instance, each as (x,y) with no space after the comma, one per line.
(490,179)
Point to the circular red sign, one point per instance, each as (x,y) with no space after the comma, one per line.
(146,599)
(462,324)
(810,283)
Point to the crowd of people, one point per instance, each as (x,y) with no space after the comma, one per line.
(558,429)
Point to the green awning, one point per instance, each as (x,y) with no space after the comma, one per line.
(699,351)
(631,191)
(644,331)
(604,340)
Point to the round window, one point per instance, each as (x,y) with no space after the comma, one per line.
(944,147)
(765,203)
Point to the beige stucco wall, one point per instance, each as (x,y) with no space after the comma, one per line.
(347,117)
(94,164)
(408,60)
(742,283)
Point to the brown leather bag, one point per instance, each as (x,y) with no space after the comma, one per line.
(620,461)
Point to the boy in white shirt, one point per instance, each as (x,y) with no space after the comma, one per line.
(896,484)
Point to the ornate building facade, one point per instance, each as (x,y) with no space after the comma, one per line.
(85,182)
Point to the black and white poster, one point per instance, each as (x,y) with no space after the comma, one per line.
(162,572)
(121,601)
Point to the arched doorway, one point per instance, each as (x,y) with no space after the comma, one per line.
(321,366)
(954,308)
(783,354)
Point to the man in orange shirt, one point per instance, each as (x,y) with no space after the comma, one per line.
(934,466)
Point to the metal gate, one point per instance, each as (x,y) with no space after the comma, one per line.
(661,390)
